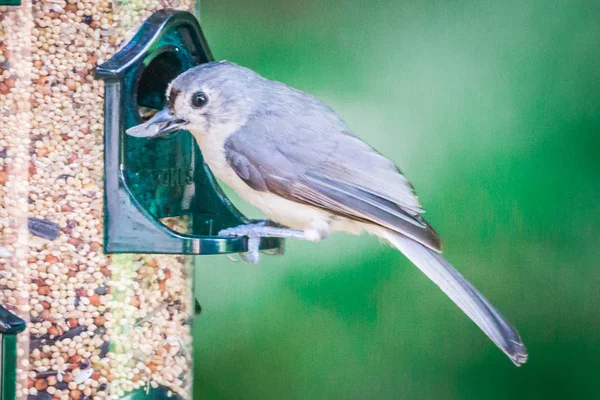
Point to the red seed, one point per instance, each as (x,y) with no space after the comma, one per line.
(51,259)
(95,300)
(44,290)
(72,157)
(75,359)
(41,384)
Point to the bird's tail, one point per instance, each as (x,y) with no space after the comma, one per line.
(477,307)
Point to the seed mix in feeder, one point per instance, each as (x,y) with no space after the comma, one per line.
(98,327)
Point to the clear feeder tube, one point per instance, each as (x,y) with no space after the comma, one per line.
(98,326)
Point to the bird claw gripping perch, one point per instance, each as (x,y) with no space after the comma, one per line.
(255,232)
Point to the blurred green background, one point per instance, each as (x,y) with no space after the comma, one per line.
(492,109)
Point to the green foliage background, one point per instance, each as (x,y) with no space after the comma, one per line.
(492,109)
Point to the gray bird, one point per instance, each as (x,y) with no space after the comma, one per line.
(292,157)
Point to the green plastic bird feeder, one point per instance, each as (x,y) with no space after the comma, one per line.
(147,180)
(10,326)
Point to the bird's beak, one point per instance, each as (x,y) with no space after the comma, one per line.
(160,124)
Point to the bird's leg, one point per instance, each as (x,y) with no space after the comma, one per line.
(253,254)
(266,229)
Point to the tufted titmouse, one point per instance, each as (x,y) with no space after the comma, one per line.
(292,157)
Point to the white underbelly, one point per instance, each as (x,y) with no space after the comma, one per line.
(276,208)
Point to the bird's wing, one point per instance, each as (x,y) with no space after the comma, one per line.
(337,172)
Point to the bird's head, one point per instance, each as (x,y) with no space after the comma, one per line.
(211,99)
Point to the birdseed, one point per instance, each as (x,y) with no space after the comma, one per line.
(98,326)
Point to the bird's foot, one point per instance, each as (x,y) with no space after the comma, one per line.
(256,231)
(261,229)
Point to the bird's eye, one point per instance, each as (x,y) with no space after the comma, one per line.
(199,99)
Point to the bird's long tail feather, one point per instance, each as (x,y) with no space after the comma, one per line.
(477,307)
